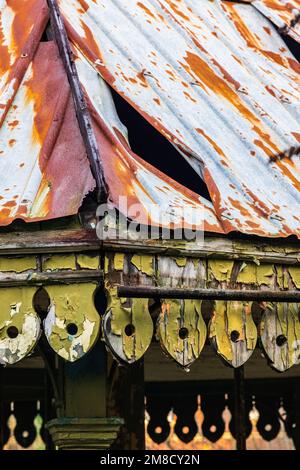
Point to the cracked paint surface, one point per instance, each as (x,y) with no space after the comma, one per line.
(72,305)
(17,312)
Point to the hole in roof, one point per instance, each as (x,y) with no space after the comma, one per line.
(155,149)
(292,45)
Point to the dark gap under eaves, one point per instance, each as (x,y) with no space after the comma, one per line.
(153,147)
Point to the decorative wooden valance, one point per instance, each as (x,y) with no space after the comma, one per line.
(172,296)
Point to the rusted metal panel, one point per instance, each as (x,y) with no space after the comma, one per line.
(214,78)
(43,163)
(283,13)
(127,175)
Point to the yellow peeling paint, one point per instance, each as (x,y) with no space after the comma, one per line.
(137,315)
(181,262)
(88,262)
(144,263)
(247,274)
(295,275)
(106,264)
(17,265)
(281,319)
(17,311)
(178,314)
(218,331)
(265,272)
(229,317)
(119,261)
(254,274)
(72,304)
(56,262)
(220,269)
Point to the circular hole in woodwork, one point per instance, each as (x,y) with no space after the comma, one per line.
(185,430)
(213,428)
(72,329)
(183,333)
(12,332)
(281,340)
(158,430)
(234,336)
(129,329)
(268,427)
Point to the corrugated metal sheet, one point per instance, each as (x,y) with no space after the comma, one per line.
(283,13)
(213,77)
(43,165)
(145,188)
(217,80)
(42,155)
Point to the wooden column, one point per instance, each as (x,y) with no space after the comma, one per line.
(127,400)
(240,408)
(84,424)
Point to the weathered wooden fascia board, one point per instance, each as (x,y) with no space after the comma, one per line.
(75,240)
(49,278)
(52,241)
(212,247)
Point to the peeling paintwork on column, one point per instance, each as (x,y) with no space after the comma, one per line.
(127,327)
(181,330)
(17,265)
(72,305)
(17,312)
(57,262)
(280,335)
(232,332)
(88,261)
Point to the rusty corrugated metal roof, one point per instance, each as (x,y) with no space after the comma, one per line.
(283,13)
(128,175)
(42,153)
(43,165)
(215,78)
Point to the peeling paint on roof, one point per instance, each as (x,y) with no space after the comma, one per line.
(285,14)
(43,163)
(216,79)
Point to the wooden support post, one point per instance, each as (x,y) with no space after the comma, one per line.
(127,400)
(240,409)
(85,425)
(85,385)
